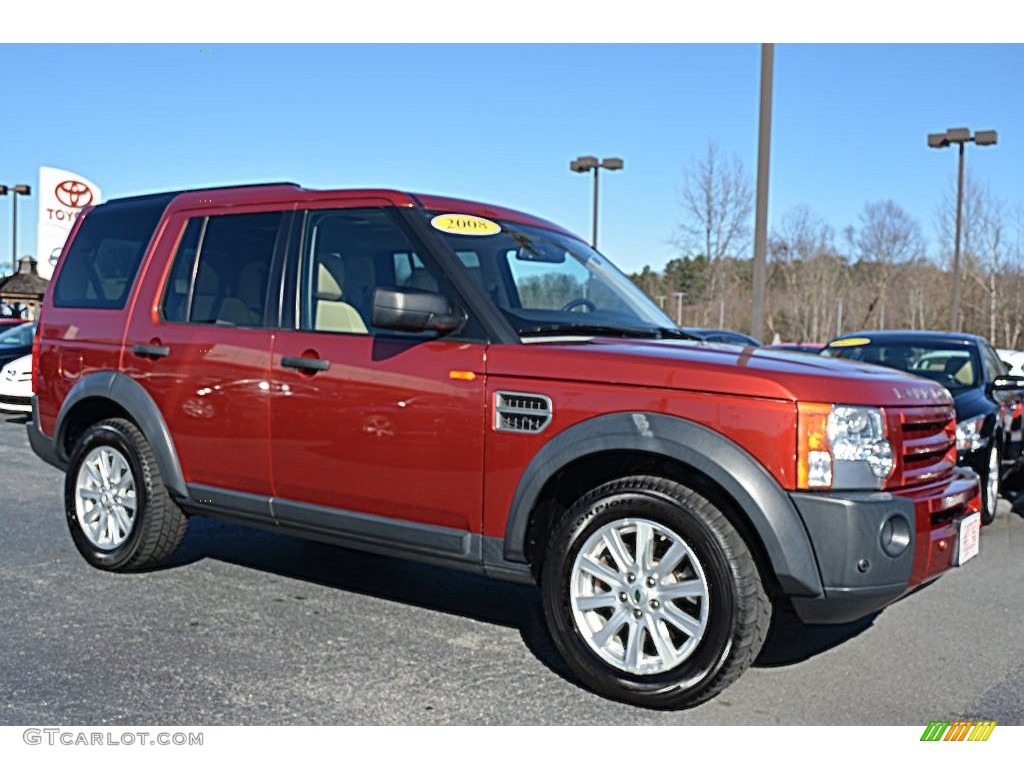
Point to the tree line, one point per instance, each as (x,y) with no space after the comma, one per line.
(874,274)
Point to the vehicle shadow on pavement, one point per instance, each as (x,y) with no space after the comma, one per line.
(446,590)
(436,588)
(790,641)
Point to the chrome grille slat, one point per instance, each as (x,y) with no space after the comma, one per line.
(915,448)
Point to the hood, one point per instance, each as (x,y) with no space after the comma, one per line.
(719,368)
(972,402)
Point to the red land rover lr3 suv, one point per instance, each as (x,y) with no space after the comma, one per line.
(467,385)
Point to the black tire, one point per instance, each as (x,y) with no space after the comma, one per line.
(738,613)
(157,526)
(989,492)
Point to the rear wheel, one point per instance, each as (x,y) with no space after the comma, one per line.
(651,595)
(118,510)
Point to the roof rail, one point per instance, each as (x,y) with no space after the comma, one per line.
(175,192)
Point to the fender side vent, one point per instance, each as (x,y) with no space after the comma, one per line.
(521,412)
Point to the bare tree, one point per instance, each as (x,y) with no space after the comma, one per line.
(717,204)
(811,275)
(886,238)
(985,247)
(1013,274)
(991,251)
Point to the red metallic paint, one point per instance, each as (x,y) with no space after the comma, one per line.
(212,388)
(384,430)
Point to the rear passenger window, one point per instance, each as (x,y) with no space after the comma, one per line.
(221,271)
(100,268)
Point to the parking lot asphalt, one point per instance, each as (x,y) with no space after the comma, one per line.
(247,627)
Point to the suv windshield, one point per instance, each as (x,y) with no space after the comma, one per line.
(548,283)
(954,366)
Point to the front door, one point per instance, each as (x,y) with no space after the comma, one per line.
(364,420)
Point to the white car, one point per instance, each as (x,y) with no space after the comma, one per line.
(1014,358)
(16,386)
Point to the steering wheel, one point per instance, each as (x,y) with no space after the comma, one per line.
(580,302)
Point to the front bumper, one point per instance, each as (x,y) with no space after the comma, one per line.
(874,547)
(15,396)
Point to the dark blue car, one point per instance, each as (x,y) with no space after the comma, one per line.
(987,398)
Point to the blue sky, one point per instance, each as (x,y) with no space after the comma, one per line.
(500,123)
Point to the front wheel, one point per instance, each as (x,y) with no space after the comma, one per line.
(651,595)
(990,484)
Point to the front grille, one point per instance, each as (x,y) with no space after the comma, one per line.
(927,444)
(521,412)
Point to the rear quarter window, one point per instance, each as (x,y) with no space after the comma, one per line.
(104,258)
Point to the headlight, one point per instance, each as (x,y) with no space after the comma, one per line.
(843,447)
(968,434)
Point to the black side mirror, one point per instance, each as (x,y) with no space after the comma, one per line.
(413,310)
(1007,383)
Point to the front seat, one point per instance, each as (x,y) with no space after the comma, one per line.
(333,314)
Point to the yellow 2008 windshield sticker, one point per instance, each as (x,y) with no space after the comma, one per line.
(854,341)
(464,224)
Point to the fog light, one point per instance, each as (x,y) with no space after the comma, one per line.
(895,536)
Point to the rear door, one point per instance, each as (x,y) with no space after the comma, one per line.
(377,422)
(199,343)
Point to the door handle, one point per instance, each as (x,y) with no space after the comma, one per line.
(151,350)
(306,363)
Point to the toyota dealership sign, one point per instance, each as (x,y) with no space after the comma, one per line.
(62,196)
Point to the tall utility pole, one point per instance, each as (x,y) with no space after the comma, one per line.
(937,141)
(761,209)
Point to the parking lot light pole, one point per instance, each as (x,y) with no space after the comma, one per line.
(17,189)
(586,163)
(938,141)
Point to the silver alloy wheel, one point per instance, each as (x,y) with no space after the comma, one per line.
(105,497)
(639,596)
(992,482)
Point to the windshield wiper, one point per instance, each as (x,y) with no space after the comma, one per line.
(588,329)
(677,333)
(593,329)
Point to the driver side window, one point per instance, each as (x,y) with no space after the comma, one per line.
(347,254)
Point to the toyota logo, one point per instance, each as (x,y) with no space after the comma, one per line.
(73,194)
